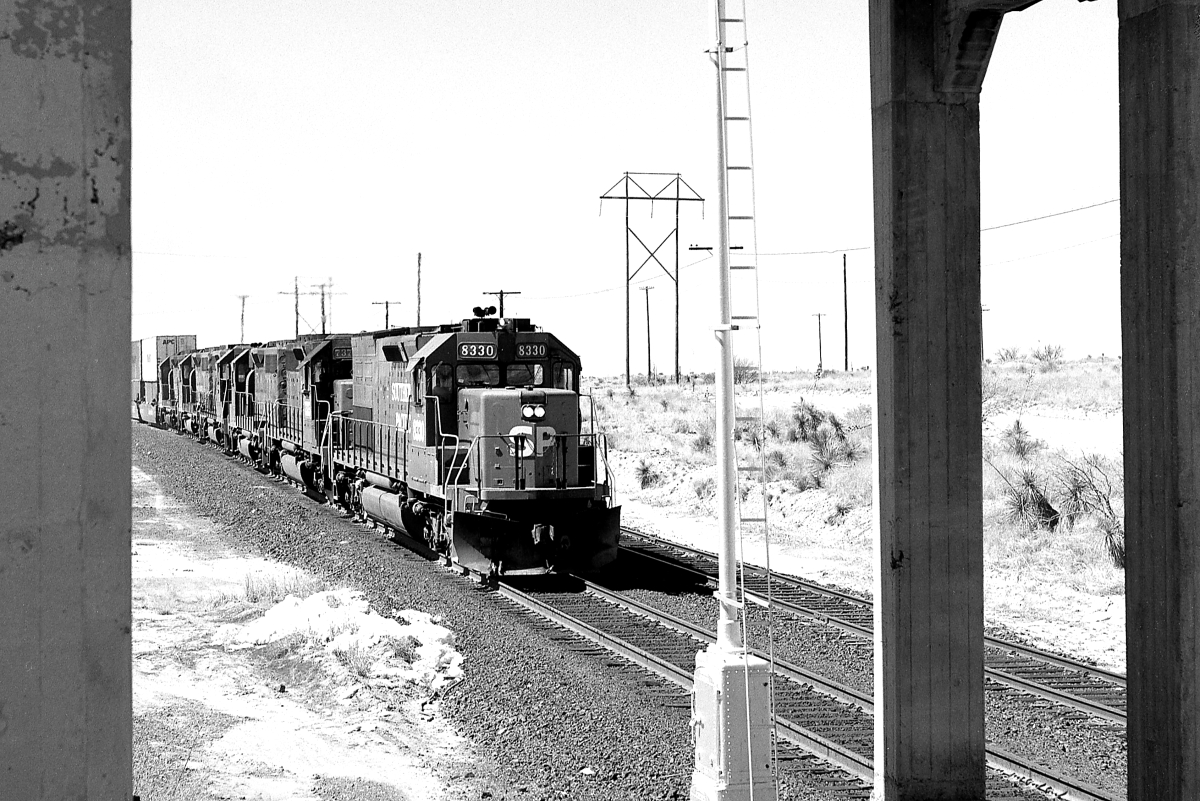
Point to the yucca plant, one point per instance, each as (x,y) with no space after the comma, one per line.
(1017,440)
(1025,501)
(776,463)
(646,475)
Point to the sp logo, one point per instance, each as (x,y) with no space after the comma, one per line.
(530,440)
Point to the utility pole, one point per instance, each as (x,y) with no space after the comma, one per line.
(322,291)
(501,294)
(820,349)
(982,352)
(647,289)
(846,311)
(243,299)
(418,289)
(296,292)
(321,287)
(387,324)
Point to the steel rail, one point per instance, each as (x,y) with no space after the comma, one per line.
(796,673)
(857,764)
(810,741)
(998,675)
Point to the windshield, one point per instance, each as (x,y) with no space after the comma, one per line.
(478,375)
(524,375)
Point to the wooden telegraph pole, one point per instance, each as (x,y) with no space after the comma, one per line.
(501,293)
(386,304)
(647,289)
(243,299)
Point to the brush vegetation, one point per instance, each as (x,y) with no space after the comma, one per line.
(1041,506)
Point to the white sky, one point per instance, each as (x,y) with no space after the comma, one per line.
(337,139)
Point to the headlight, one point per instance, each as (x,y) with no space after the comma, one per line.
(539,412)
(527,411)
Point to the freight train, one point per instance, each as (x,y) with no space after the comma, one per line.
(469,436)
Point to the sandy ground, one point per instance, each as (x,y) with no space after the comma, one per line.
(262,723)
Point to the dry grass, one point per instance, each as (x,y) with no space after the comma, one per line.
(271,588)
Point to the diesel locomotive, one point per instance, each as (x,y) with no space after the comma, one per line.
(471,437)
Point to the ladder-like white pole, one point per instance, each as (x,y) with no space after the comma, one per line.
(729,637)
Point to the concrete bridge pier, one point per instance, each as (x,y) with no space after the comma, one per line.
(1160,322)
(65,697)
(928,61)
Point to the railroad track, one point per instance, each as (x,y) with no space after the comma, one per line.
(824,718)
(830,721)
(1065,681)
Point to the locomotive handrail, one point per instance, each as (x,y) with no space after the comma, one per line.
(328,441)
(458,475)
(609,475)
(386,442)
(441,447)
(560,441)
(271,424)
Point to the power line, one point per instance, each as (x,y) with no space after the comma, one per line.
(1048,216)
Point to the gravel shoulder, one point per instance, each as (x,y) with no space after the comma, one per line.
(538,716)
(270,722)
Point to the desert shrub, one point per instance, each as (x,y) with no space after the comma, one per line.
(775,426)
(356,658)
(680,426)
(614,439)
(1086,487)
(852,484)
(745,371)
(1008,354)
(647,476)
(705,488)
(664,403)
(406,648)
(1017,440)
(1025,501)
(1114,543)
(1048,357)
(859,418)
(804,476)
(776,463)
(749,432)
(994,393)
(702,442)
(840,510)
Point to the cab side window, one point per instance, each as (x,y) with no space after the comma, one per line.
(443,377)
(564,376)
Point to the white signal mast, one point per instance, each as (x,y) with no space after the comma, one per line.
(731,717)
